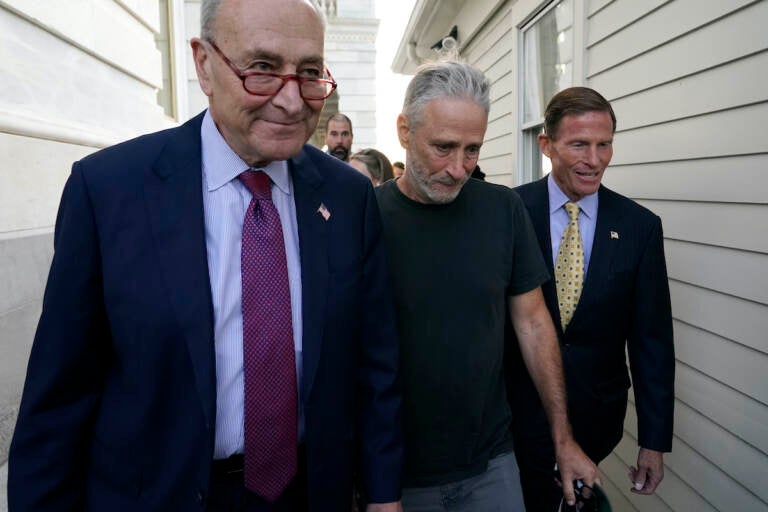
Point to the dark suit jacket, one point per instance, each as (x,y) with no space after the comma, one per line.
(119,411)
(624,302)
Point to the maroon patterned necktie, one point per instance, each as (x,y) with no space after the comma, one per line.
(271,404)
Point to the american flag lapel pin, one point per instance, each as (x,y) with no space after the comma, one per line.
(614,235)
(322,210)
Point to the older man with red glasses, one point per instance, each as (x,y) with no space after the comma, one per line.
(217,331)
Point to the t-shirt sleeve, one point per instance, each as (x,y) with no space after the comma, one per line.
(528,267)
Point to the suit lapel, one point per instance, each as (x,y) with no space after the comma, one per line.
(173,192)
(539,212)
(538,208)
(603,249)
(313,250)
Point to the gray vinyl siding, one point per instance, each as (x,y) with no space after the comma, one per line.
(492,52)
(688,80)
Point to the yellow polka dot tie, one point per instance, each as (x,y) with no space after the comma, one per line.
(569,267)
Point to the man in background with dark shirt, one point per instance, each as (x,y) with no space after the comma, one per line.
(451,312)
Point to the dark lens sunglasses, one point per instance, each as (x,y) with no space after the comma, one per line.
(588,499)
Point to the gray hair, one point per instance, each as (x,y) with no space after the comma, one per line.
(445,80)
(208,10)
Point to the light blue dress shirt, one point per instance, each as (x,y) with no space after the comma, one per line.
(225,201)
(558,220)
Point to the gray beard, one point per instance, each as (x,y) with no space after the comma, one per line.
(423,183)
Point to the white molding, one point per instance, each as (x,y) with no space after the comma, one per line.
(25,233)
(355,23)
(41,128)
(141,11)
(346,37)
(429,21)
(352,30)
(178,45)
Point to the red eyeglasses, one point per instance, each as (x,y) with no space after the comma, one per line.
(269,84)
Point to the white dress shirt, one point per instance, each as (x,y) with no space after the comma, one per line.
(225,201)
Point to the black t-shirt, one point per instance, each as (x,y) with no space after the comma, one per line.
(452,268)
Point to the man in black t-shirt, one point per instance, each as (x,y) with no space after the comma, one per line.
(463,256)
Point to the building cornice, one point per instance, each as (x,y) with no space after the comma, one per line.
(431,20)
(345,30)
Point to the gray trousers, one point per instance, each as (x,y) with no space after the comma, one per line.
(496,490)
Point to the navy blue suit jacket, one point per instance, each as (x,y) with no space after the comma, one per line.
(118,411)
(624,304)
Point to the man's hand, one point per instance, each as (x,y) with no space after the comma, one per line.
(384,507)
(574,464)
(649,471)
(541,353)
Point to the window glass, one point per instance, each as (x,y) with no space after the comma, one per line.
(547,61)
(547,58)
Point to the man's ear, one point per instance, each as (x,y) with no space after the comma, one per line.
(202,65)
(403,130)
(544,142)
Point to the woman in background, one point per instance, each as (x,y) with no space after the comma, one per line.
(373,164)
(398,169)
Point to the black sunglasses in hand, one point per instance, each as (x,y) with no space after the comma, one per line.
(588,499)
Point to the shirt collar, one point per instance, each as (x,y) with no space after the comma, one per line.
(221,164)
(557,198)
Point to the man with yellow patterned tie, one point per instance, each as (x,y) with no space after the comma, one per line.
(609,292)
(569,266)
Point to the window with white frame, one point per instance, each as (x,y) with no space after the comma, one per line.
(547,63)
(171,42)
